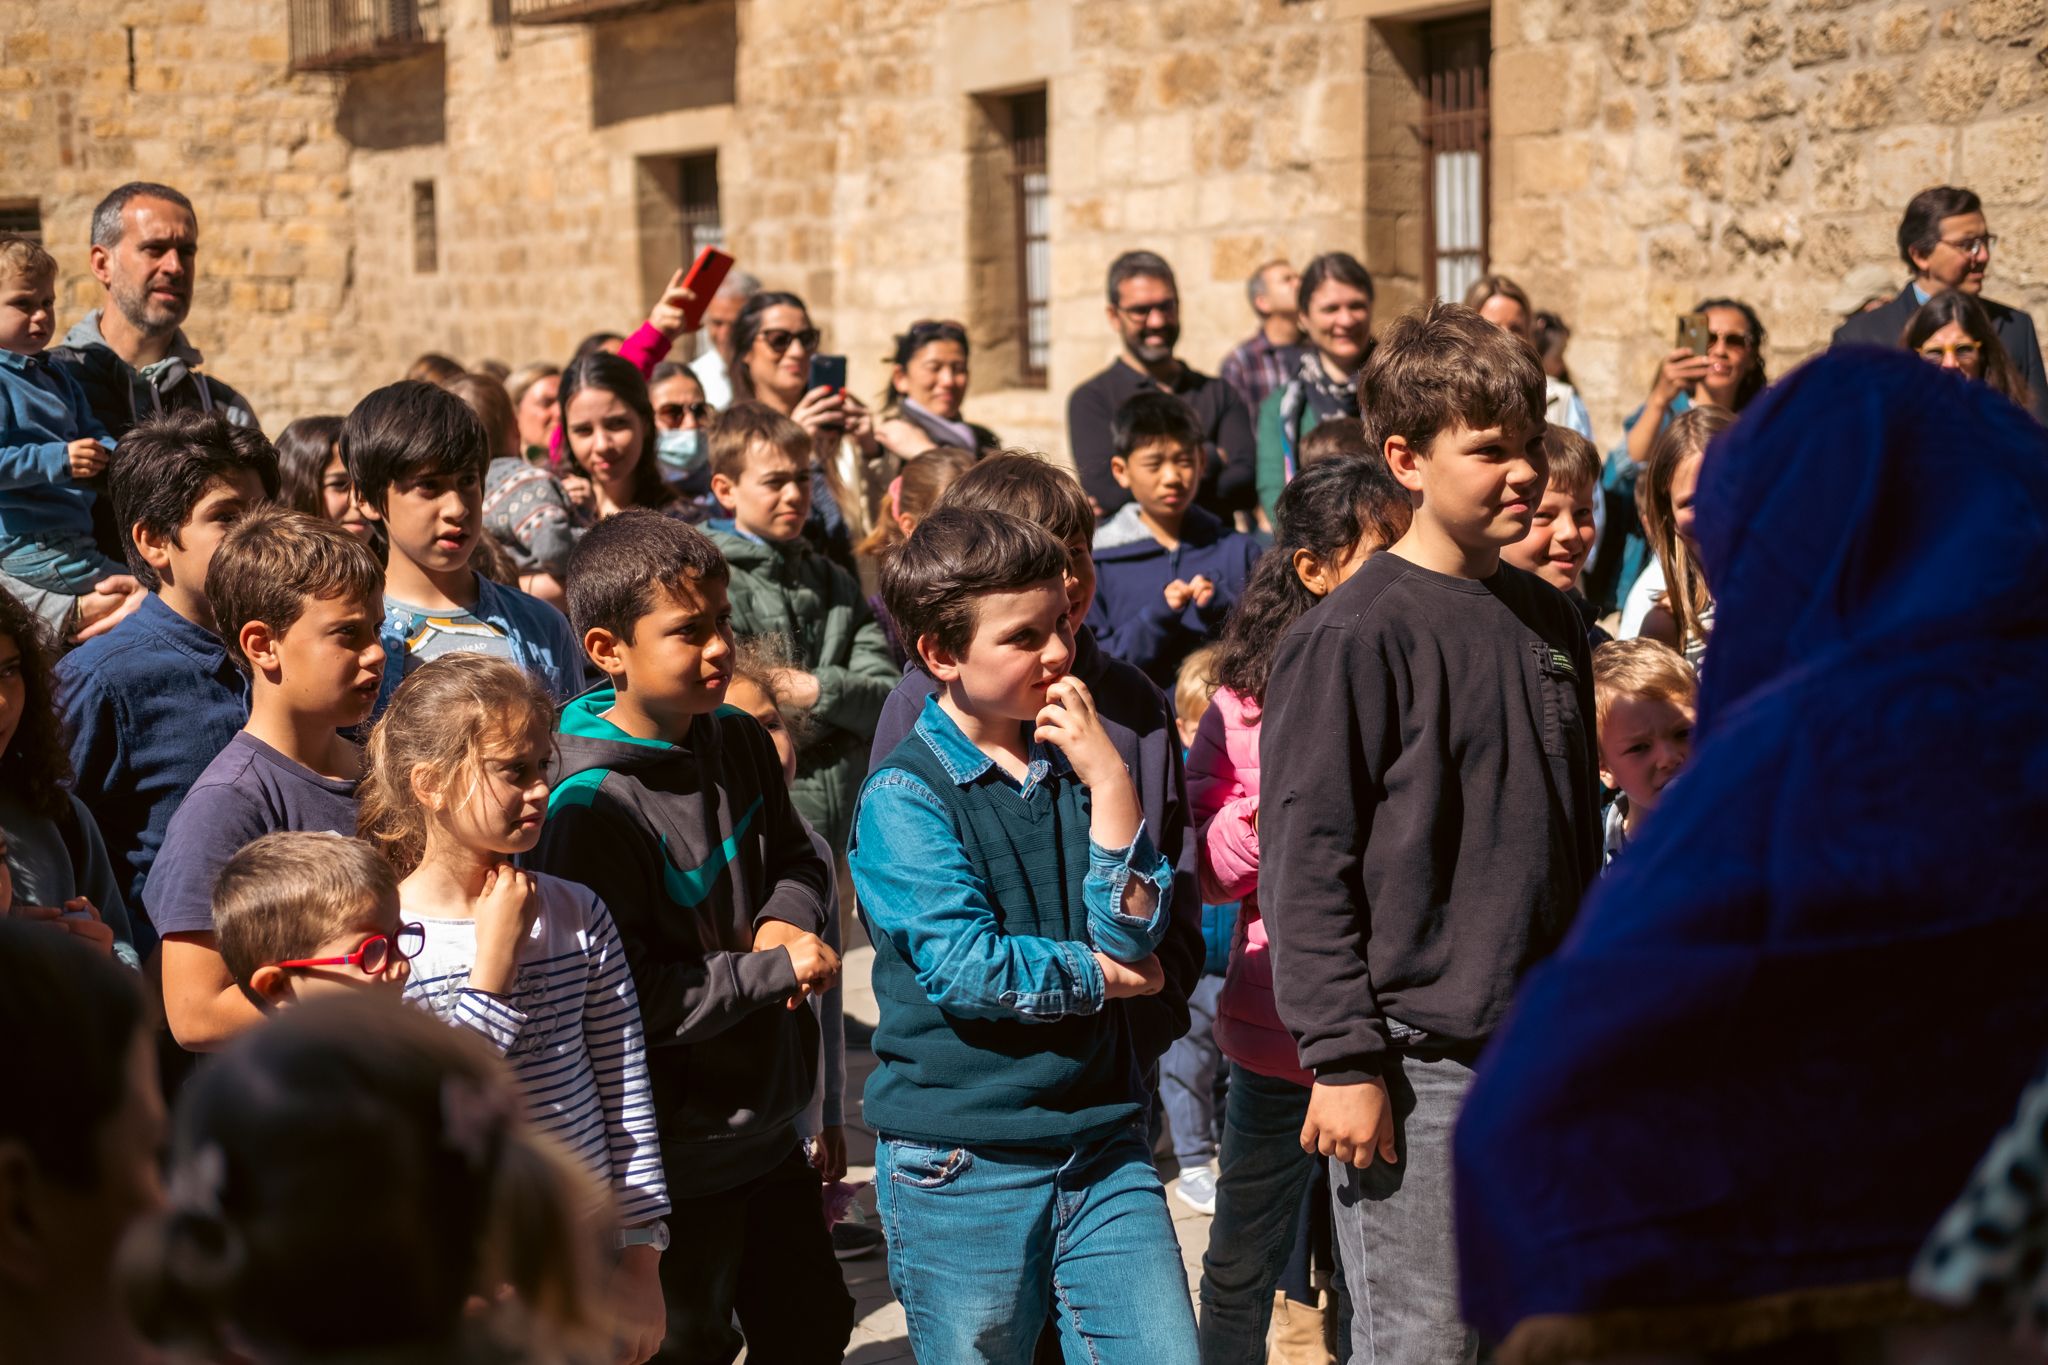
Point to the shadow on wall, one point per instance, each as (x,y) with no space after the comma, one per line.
(402,104)
(663,61)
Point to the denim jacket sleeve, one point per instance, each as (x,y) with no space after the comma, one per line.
(1127,937)
(918,889)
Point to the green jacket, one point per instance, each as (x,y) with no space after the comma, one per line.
(1277,447)
(793,591)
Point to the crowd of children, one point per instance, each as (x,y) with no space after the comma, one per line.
(433,703)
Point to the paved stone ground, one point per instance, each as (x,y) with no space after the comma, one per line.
(878,1333)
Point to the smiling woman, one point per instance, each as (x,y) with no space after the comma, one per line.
(1336,312)
(927,390)
(609,425)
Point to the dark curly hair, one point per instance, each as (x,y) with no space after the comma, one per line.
(35,762)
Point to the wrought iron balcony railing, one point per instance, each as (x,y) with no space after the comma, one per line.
(574,11)
(341,35)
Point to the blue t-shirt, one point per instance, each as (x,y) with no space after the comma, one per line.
(249,791)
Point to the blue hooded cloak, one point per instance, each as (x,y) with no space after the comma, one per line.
(1794,1014)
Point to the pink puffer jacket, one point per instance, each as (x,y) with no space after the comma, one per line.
(1223,789)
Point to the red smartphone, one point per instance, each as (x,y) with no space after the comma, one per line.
(707,272)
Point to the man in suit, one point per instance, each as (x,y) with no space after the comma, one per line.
(1947,244)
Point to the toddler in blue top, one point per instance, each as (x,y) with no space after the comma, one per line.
(1014,895)
(51,446)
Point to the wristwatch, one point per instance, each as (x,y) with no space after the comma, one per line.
(654,1235)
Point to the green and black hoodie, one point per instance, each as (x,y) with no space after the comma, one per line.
(692,846)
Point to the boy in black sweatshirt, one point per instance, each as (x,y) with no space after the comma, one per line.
(1431,812)
(672,807)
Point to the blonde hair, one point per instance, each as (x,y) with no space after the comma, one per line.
(1196,683)
(285,894)
(526,376)
(1685,587)
(914,492)
(764,661)
(441,719)
(1641,667)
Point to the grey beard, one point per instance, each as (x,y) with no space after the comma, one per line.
(134,309)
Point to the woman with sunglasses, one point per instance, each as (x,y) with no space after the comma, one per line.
(1729,375)
(772,345)
(1952,330)
(682,421)
(927,388)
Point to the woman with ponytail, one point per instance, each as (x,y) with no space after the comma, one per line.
(349,1183)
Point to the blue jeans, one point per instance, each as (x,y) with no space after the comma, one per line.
(1187,1079)
(1393,1225)
(985,1242)
(1262,1175)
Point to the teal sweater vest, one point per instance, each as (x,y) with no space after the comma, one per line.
(945,1079)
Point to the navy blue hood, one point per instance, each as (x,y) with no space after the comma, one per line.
(1868,503)
(1793,1015)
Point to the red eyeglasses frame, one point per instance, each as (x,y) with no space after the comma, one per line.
(355,959)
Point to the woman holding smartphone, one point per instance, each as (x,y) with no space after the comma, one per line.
(773,347)
(1727,374)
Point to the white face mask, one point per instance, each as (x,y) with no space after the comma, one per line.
(680,451)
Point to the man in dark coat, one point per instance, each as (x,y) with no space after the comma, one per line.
(1946,242)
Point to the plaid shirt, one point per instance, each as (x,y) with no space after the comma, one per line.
(1258,367)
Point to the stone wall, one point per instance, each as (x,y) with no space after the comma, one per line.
(1645,152)
(1652,152)
(94,93)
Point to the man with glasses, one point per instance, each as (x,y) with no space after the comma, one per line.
(1946,241)
(1144,311)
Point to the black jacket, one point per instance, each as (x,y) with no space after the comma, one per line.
(1882,326)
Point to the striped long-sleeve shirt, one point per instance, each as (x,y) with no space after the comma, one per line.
(570,1027)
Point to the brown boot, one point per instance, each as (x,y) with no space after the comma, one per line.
(1298,1334)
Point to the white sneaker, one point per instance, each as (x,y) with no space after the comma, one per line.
(1197,1189)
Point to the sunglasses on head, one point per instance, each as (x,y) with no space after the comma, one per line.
(777,339)
(376,954)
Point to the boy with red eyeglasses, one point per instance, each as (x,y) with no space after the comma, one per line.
(299,914)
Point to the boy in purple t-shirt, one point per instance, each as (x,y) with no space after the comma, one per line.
(298,602)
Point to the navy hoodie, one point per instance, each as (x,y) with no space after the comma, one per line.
(693,846)
(1788,1023)
(1130,616)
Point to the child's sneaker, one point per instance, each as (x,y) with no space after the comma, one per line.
(1197,1189)
(852,1240)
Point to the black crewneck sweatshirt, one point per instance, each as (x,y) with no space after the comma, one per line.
(1430,816)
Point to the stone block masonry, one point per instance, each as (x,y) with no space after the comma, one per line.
(1644,153)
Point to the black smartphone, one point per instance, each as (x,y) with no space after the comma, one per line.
(827,372)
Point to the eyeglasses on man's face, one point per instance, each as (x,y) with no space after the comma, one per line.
(1972,246)
(1166,311)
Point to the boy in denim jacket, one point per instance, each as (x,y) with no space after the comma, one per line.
(1014,895)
